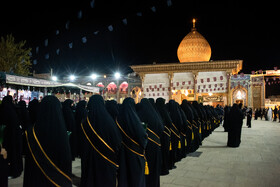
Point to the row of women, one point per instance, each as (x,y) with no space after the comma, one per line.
(123,145)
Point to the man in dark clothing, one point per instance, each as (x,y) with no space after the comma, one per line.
(165,137)
(275,112)
(132,160)
(235,126)
(101,145)
(249,117)
(48,160)
(148,114)
(279,113)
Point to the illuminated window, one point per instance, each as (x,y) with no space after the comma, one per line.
(238,95)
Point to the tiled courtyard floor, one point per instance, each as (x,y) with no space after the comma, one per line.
(255,163)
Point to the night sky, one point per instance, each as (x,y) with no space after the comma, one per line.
(233,29)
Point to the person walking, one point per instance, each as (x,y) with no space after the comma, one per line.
(249,117)
(235,126)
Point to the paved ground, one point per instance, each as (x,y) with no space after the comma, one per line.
(255,163)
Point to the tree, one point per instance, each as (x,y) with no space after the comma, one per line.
(14,57)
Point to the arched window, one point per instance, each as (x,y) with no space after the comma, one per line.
(100,84)
(112,87)
(123,87)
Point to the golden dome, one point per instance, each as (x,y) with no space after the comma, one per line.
(194,47)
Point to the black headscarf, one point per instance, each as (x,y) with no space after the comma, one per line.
(188,111)
(198,110)
(152,102)
(131,123)
(80,112)
(23,114)
(51,132)
(113,108)
(149,115)
(161,108)
(175,114)
(33,108)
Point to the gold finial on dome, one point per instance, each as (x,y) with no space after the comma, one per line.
(193,22)
(194,47)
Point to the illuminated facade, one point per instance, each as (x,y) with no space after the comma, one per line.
(194,78)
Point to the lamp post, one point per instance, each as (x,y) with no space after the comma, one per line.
(117,76)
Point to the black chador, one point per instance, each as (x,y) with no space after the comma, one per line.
(102,141)
(235,126)
(24,121)
(148,115)
(249,117)
(198,122)
(48,161)
(33,107)
(183,133)
(175,131)
(113,108)
(165,137)
(23,115)
(70,125)
(132,159)
(226,118)
(12,136)
(80,116)
(192,145)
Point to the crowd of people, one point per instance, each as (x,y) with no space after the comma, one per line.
(124,144)
(268,113)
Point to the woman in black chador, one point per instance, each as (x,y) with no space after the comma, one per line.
(102,141)
(165,137)
(226,118)
(80,116)
(12,136)
(148,115)
(199,126)
(235,125)
(48,160)
(192,143)
(69,118)
(132,164)
(175,132)
(113,108)
(33,107)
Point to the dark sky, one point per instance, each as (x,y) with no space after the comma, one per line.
(233,29)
